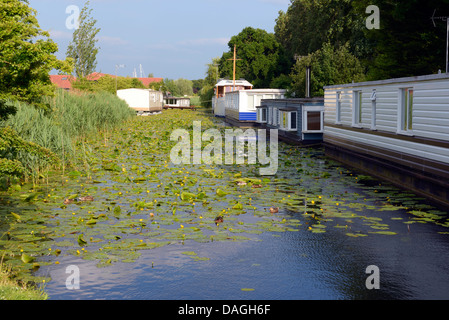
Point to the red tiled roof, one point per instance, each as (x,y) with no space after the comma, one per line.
(62,81)
(65,81)
(97,75)
(146,81)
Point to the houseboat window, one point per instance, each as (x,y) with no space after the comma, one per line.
(250,102)
(357,108)
(314,121)
(373,109)
(407,109)
(284,120)
(293,121)
(262,115)
(338,110)
(288,120)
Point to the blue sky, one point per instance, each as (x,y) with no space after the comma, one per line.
(171,39)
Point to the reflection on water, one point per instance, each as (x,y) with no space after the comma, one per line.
(288,265)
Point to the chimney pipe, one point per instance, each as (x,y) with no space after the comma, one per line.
(308,76)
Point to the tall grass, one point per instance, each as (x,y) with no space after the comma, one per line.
(82,114)
(74,117)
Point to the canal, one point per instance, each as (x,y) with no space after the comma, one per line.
(150,229)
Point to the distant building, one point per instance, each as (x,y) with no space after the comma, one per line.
(147,81)
(62,81)
(95,76)
(176,102)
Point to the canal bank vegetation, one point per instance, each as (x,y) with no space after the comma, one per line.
(40,128)
(17,290)
(73,118)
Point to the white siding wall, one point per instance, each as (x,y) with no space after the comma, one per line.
(413,148)
(138,99)
(430,107)
(430,115)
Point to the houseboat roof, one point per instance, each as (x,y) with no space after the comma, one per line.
(227,82)
(296,100)
(439,76)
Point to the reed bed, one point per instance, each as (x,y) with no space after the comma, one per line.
(73,118)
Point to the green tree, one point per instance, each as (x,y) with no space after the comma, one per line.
(407,43)
(83,48)
(26,57)
(308,24)
(207,91)
(212,72)
(107,83)
(184,87)
(197,85)
(260,57)
(329,66)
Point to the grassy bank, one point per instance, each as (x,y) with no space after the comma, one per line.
(14,290)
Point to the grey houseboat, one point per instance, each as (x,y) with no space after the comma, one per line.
(396,129)
(299,121)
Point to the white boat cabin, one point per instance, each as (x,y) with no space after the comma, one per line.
(177,102)
(223,87)
(399,123)
(142,100)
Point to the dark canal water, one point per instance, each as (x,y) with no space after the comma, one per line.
(413,260)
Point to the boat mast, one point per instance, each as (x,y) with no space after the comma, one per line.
(235,59)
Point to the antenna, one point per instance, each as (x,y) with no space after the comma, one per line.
(446,18)
(141,71)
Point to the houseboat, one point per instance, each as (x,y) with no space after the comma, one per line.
(223,87)
(299,121)
(142,100)
(237,104)
(177,102)
(396,129)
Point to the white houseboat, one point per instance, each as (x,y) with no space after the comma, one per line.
(142,100)
(239,104)
(177,102)
(396,129)
(223,87)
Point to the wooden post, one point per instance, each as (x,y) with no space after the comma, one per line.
(235,56)
(235,59)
